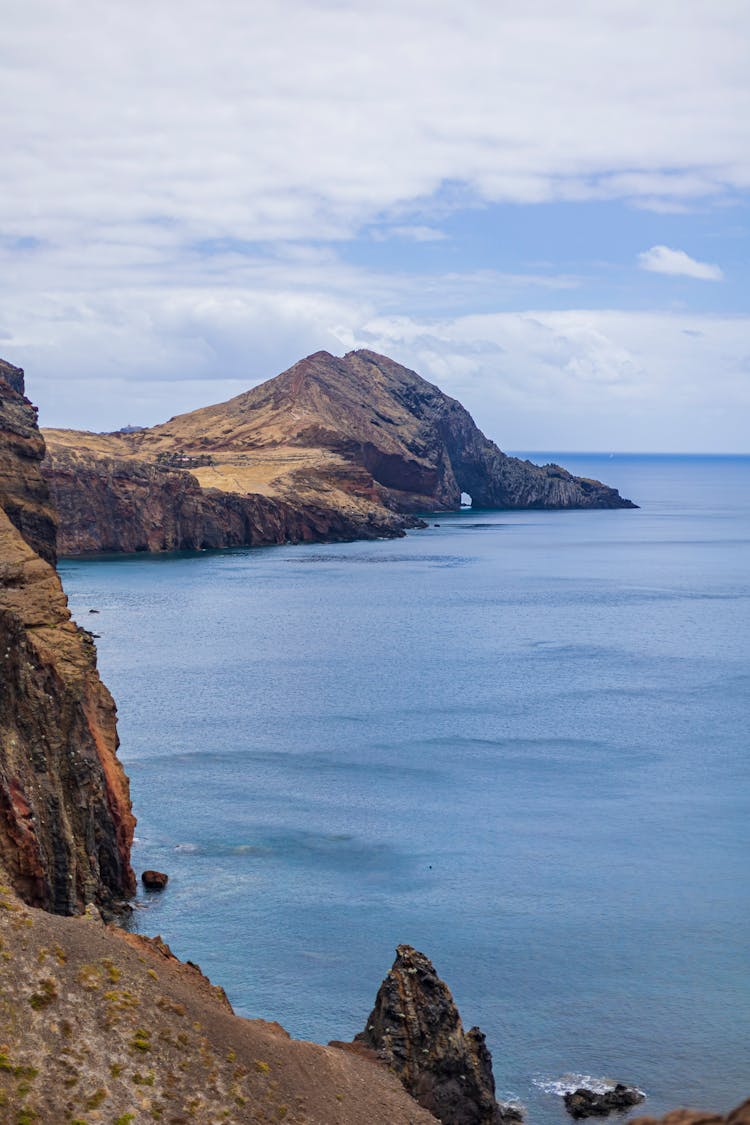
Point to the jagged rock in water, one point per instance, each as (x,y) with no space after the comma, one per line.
(333,448)
(588,1103)
(65,819)
(416,1030)
(738,1116)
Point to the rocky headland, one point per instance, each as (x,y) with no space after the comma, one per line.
(332,449)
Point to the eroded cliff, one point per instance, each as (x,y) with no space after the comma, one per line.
(65,819)
(113,504)
(333,448)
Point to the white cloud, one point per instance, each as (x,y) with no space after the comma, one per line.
(575,379)
(418,233)
(662,259)
(149,149)
(271,120)
(585,379)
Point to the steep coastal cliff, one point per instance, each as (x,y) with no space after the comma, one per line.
(65,820)
(97,1024)
(334,448)
(113,504)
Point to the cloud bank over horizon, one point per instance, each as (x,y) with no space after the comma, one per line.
(196,196)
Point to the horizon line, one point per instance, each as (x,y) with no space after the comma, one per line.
(622,453)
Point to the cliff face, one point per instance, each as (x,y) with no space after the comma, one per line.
(24,496)
(415,1029)
(419,444)
(65,820)
(345,448)
(112,504)
(95,1023)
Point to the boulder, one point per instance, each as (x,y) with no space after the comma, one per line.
(589,1103)
(154,880)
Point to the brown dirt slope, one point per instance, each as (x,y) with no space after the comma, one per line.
(65,818)
(738,1116)
(360,436)
(97,1026)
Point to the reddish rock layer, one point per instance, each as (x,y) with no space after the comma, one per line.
(65,820)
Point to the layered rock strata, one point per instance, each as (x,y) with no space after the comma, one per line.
(117,505)
(65,818)
(415,1029)
(334,448)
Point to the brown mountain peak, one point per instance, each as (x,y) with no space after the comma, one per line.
(357,442)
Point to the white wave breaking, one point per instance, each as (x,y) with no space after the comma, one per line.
(568,1083)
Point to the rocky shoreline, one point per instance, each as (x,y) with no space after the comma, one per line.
(98,1024)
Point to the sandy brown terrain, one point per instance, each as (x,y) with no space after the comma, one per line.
(100,1026)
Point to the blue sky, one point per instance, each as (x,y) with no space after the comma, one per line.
(543,209)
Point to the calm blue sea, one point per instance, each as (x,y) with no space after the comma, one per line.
(517,741)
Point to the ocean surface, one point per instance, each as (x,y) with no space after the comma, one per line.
(517,741)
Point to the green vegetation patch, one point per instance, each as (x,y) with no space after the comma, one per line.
(141,1041)
(45,995)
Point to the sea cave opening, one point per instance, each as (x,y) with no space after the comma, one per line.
(465,500)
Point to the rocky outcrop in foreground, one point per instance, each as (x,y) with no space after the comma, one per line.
(738,1116)
(415,1029)
(65,820)
(101,1026)
(334,448)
